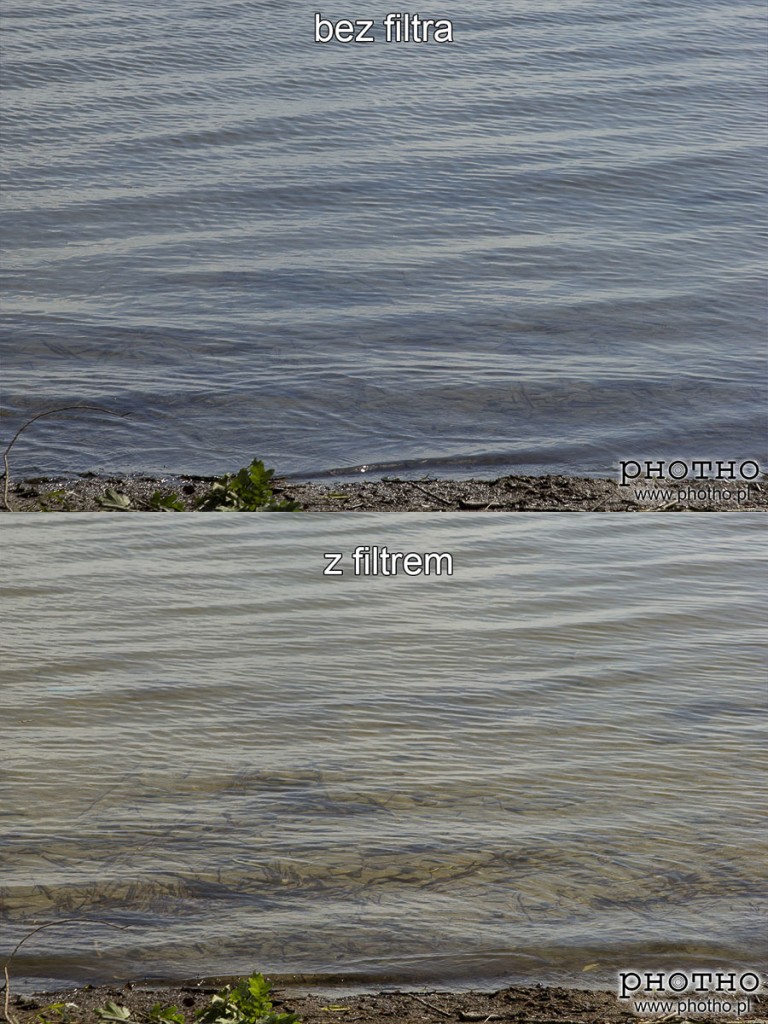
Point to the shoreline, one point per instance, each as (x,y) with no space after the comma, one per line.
(549,493)
(522,1004)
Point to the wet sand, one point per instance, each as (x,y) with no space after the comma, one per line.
(536,1004)
(503,494)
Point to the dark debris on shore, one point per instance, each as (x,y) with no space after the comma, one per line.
(503,494)
(532,1004)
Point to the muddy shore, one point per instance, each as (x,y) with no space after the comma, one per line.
(503,494)
(534,1004)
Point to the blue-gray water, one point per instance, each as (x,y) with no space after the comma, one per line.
(534,248)
(549,766)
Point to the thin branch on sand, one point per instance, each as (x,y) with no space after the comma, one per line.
(23,427)
(48,924)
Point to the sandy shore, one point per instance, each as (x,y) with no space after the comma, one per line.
(503,494)
(536,1004)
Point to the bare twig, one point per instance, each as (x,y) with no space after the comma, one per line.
(48,924)
(676,505)
(429,1006)
(477,506)
(429,494)
(481,1017)
(23,427)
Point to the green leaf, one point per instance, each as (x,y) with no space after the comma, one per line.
(160,502)
(259,988)
(114,502)
(248,490)
(246,1003)
(114,1012)
(60,1012)
(160,1014)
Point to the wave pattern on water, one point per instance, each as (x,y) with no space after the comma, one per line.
(541,763)
(533,247)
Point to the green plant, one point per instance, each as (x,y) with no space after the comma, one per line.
(112,501)
(160,1014)
(247,491)
(113,1012)
(57,1013)
(247,1002)
(160,502)
(56,497)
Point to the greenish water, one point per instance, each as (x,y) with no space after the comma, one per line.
(550,760)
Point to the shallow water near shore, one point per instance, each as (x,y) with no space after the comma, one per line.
(545,767)
(532,250)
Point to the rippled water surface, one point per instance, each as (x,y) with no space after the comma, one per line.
(532,248)
(553,759)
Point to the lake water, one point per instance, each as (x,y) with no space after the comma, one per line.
(548,766)
(532,249)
